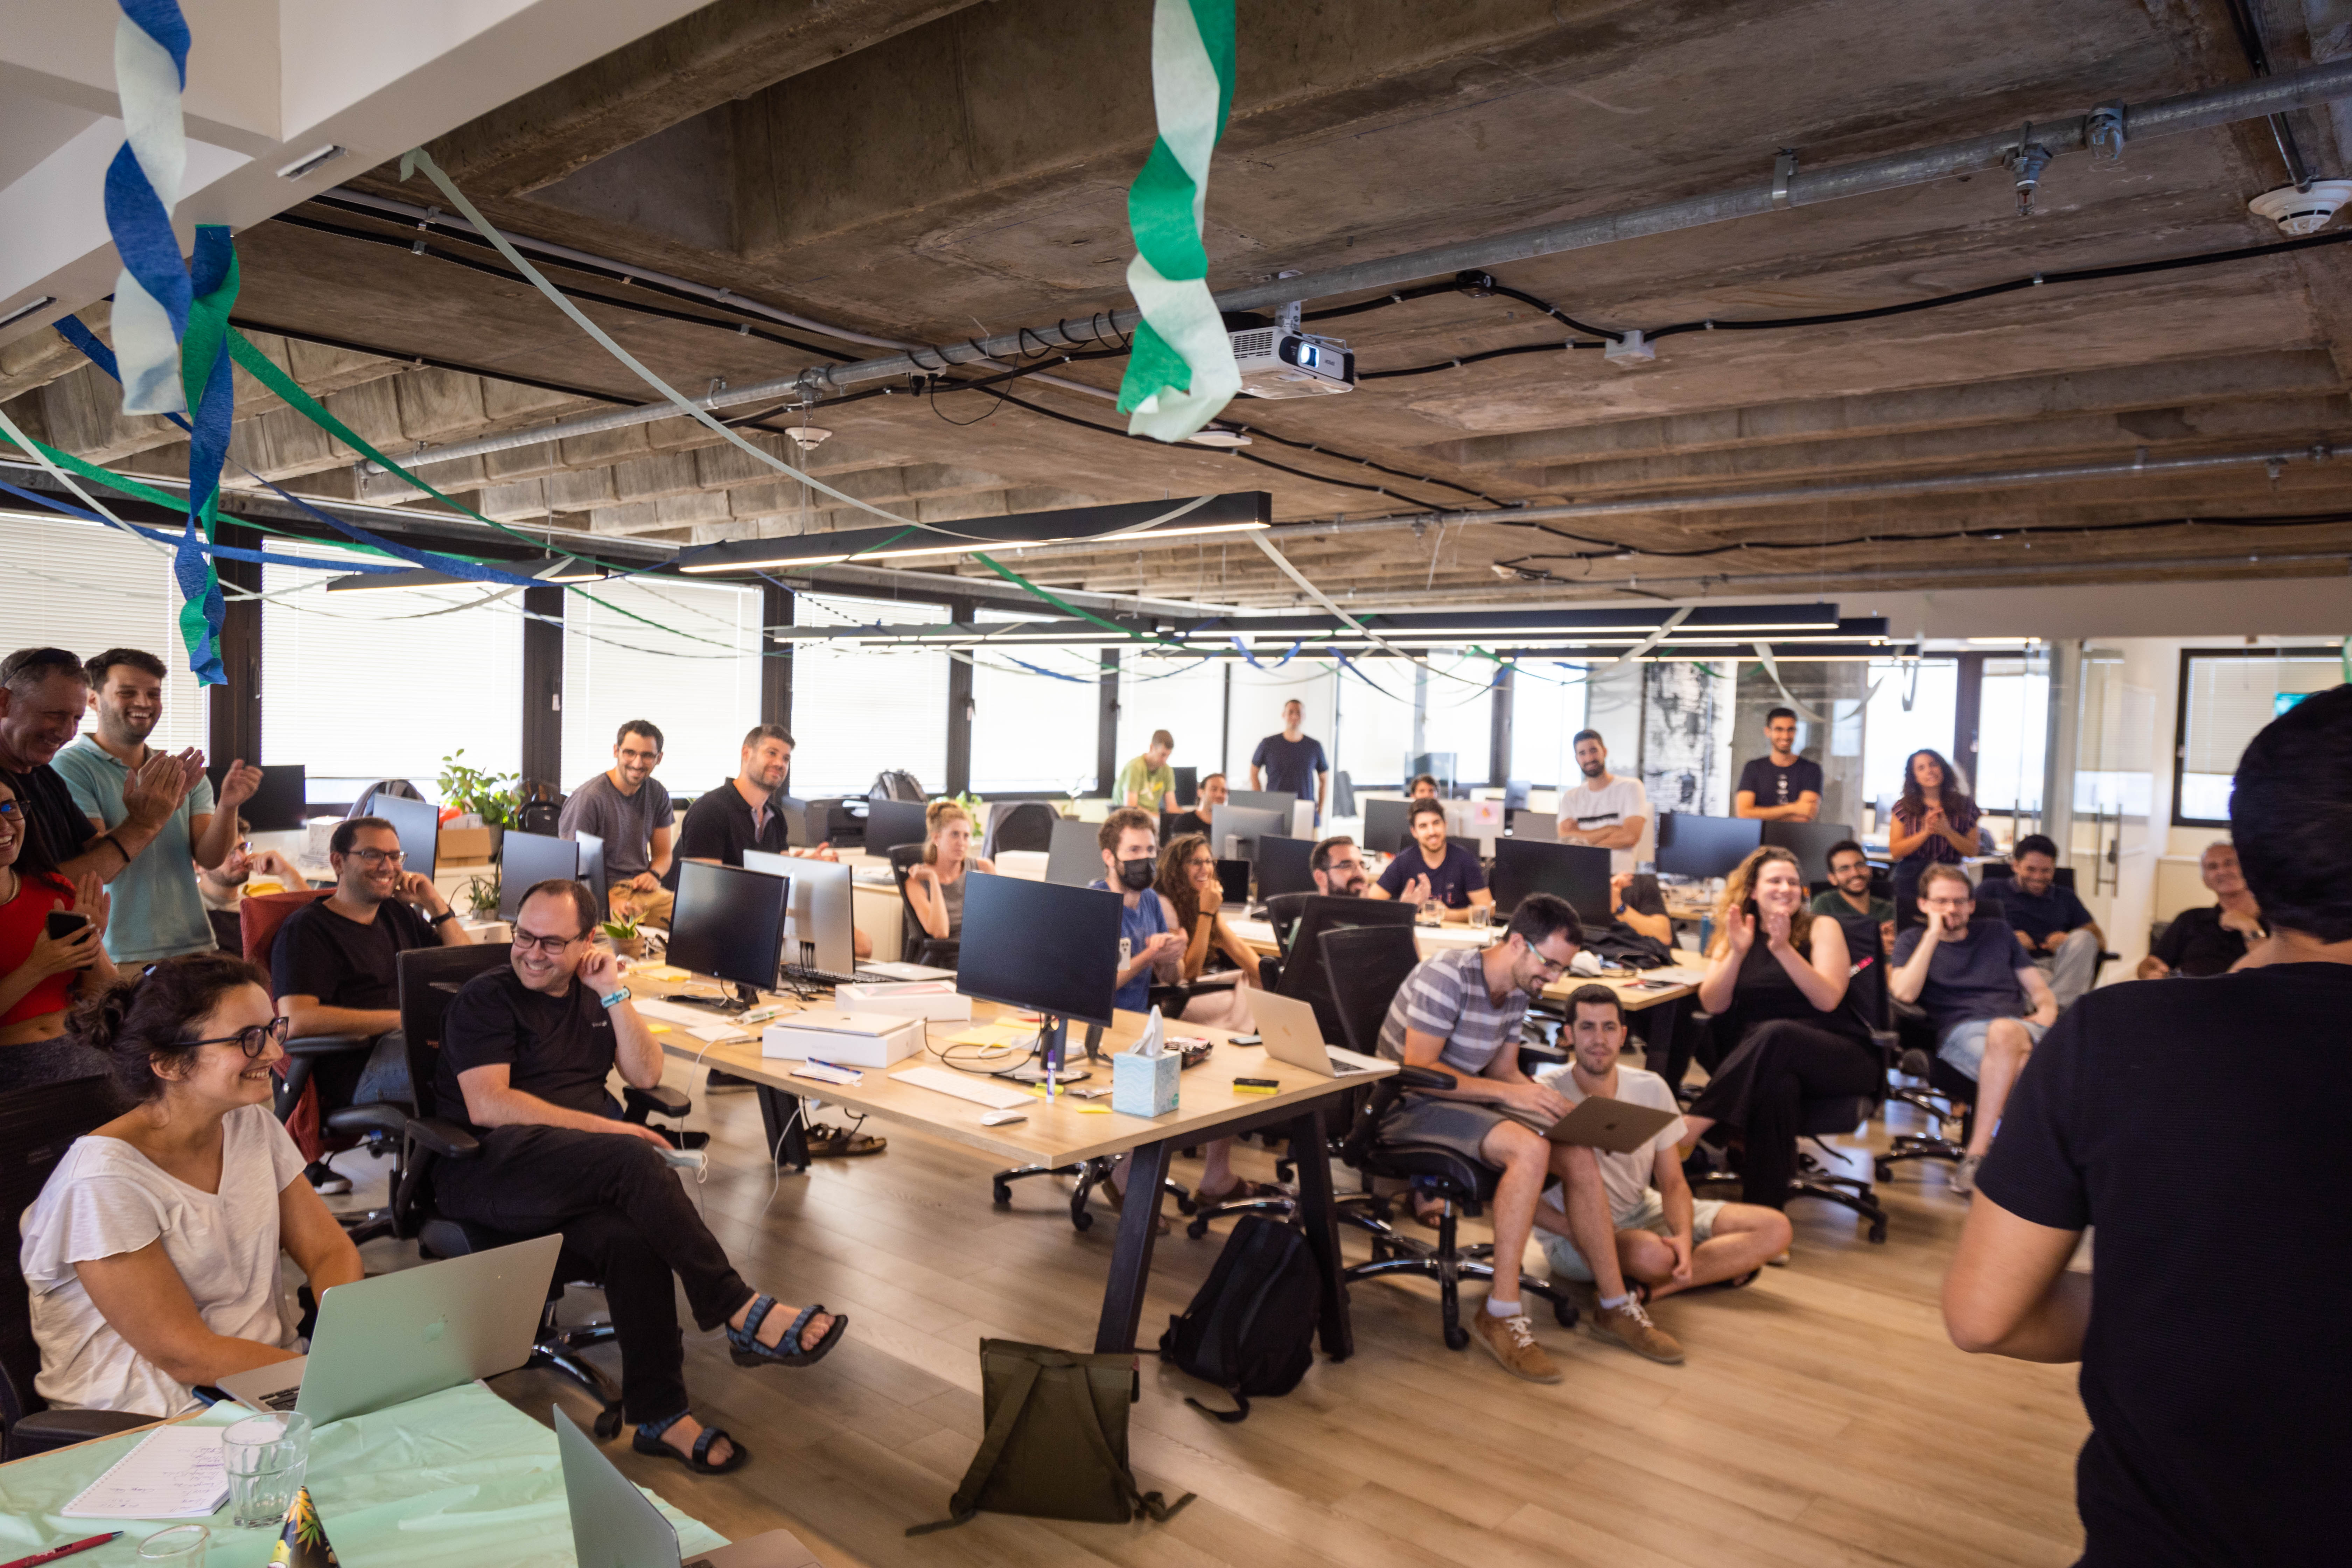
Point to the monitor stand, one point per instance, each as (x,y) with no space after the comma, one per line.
(740,999)
(1051,1038)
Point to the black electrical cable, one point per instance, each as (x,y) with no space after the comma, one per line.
(1321,449)
(1460,359)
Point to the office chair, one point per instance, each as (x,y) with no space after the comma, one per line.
(917,945)
(1023,825)
(1377,959)
(430,978)
(1343,794)
(37,1126)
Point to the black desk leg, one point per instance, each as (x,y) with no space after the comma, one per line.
(1661,1034)
(1131,1258)
(787,1125)
(1318,1212)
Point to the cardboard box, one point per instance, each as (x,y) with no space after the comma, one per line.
(462,844)
(934,999)
(844,1039)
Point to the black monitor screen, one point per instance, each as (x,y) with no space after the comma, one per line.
(890,823)
(282,801)
(1039,945)
(527,859)
(1284,865)
(417,822)
(1810,842)
(1234,880)
(1388,826)
(1692,845)
(1577,872)
(592,867)
(1188,787)
(729,922)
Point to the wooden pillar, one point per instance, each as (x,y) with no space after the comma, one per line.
(542,686)
(966,611)
(235,716)
(776,655)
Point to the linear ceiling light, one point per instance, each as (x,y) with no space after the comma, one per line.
(551,570)
(1240,513)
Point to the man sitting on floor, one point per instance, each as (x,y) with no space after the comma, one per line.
(525,1052)
(1666,1239)
(2209,941)
(1973,979)
(1459,1014)
(2050,922)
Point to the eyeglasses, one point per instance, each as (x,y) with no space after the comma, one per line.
(10,808)
(252,1041)
(375,858)
(552,946)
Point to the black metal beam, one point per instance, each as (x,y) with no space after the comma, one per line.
(1106,724)
(236,717)
(542,686)
(776,655)
(960,707)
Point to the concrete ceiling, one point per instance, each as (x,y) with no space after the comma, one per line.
(930,170)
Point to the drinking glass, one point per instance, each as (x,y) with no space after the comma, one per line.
(1432,913)
(1482,916)
(266,1457)
(182,1546)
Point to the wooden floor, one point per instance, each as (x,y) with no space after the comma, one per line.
(1822,1417)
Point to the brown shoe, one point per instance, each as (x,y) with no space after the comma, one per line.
(1512,1342)
(1629,1326)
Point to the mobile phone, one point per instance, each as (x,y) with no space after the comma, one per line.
(1245,1039)
(64,923)
(1257,1083)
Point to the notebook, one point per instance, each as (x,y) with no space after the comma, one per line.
(174,1472)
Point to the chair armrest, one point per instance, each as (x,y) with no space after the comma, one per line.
(1421,1078)
(328,1045)
(660,1098)
(445,1139)
(47,1429)
(378,1116)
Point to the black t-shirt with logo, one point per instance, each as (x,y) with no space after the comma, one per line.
(557,1048)
(1780,786)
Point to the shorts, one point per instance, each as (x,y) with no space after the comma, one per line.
(1566,1263)
(1963,1044)
(1460,1125)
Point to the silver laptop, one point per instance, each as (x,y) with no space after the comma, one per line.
(412,1333)
(615,1525)
(1292,1036)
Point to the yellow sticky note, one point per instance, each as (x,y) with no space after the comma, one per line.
(656,1029)
(1091,1108)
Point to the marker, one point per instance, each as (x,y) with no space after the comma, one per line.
(66,1551)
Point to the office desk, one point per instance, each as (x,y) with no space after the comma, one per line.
(456,1479)
(1059,1133)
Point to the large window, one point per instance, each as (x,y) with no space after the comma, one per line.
(1034,728)
(359,687)
(1181,694)
(87,587)
(1458,715)
(693,673)
(1258,696)
(2226,698)
(1375,724)
(1547,710)
(858,710)
(2012,734)
(1912,708)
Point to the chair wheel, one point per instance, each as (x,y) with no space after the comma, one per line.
(1457,1337)
(1564,1314)
(1878,1232)
(1198,1228)
(1084,1219)
(1186,1204)
(1882,1170)
(1003,1192)
(608,1423)
(1284,1170)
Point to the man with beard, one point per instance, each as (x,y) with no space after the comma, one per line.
(1339,868)
(1605,812)
(158,912)
(43,693)
(1849,892)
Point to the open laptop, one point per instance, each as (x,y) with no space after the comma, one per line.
(615,1525)
(412,1333)
(1292,1036)
(1609,1125)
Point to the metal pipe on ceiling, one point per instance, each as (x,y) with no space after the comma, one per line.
(1806,187)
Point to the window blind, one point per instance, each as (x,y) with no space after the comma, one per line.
(1185,697)
(695,676)
(1547,710)
(1032,732)
(87,587)
(1460,719)
(859,711)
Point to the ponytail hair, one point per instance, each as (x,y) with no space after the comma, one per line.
(934,815)
(145,1020)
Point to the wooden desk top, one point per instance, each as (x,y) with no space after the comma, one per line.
(1059,1132)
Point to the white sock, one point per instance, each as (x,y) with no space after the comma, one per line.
(1610,1303)
(1498,1307)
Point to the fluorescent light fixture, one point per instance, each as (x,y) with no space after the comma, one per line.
(21,311)
(309,161)
(1238,512)
(551,570)
(2001,642)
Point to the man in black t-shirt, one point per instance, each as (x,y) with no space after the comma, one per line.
(525,1052)
(1780,786)
(2216,1371)
(1435,869)
(2209,940)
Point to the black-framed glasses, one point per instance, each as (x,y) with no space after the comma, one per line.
(9,809)
(552,946)
(252,1041)
(375,858)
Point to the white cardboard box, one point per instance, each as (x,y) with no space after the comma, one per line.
(844,1039)
(935,999)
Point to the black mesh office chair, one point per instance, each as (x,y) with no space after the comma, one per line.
(430,979)
(37,1126)
(1029,825)
(1374,961)
(917,945)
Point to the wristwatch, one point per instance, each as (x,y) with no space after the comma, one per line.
(615,999)
(444,915)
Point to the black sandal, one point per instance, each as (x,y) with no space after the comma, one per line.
(840,1143)
(648,1440)
(743,1344)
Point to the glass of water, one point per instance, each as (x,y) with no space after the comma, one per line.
(1482,916)
(182,1546)
(266,1457)
(1432,913)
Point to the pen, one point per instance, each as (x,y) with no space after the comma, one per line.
(68,1550)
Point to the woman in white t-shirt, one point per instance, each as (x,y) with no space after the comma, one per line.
(152,1253)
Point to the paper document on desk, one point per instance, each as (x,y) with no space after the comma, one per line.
(175,1472)
(716,1030)
(1674,975)
(994,1034)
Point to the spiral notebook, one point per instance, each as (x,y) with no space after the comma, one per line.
(174,1472)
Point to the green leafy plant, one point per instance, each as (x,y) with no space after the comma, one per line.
(493,798)
(482,892)
(621,928)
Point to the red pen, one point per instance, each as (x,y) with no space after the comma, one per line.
(68,1550)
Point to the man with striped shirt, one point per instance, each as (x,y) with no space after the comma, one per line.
(1459,1014)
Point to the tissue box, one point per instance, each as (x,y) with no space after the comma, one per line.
(1144,1086)
(844,1039)
(936,999)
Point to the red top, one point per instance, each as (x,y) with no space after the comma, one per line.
(21,919)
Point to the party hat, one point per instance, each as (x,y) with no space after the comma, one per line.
(303,1543)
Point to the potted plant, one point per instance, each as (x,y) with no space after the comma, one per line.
(482,892)
(623,933)
(493,798)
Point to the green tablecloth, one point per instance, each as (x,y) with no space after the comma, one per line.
(453,1481)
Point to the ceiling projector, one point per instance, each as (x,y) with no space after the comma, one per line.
(1275,361)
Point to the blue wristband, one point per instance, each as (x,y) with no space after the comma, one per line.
(614,1000)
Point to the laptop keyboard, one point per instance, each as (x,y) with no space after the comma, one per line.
(283,1399)
(1342,1066)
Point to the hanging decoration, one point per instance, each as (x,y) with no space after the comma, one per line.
(1181,370)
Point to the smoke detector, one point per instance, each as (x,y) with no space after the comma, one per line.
(807,436)
(2302,212)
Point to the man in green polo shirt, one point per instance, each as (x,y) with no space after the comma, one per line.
(1849,892)
(157,911)
(1148,782)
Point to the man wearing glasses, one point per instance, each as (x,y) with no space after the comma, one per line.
(334,971)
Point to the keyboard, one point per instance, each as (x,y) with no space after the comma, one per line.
(988,1091)
(810,976)
(283,1399)
(1342,1066)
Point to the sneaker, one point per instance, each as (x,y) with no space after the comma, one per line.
(721,1081)
(325,1179)
(1629,1326)
(1512,1342)
(1964,1174)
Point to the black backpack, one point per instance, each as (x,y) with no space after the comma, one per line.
(895,783)
(1250,1330)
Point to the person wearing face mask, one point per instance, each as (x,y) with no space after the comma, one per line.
(152,1254)
(1129,842)
(41,974)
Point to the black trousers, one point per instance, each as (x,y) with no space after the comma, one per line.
(1761,1088)
(622,1214)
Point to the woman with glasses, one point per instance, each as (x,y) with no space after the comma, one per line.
(41,973)
(152,1253)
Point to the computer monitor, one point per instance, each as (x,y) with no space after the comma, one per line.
(1810,841)
(1041,946)
(1690,845)
(592,867)
(1238,829)
(1285,866)
(820,919)
(1234,881)
(890,823)
(1074,858)
(527,859)
(1279,801)
(1188,785)
(1388,826)
(1303,974)
(1515,794)
(1577,872)
(418,822)
(282,801)
(730,922)
(1438,765)
(1531,823)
